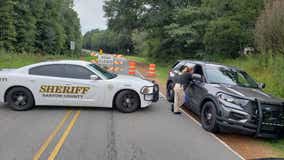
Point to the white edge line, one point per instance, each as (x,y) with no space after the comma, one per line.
(196,122)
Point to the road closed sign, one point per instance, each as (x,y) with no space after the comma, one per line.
(105,60)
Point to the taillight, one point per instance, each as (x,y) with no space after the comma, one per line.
(171,73)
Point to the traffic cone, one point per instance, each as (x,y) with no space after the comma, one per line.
(94,61)
(131,68)
(152,70)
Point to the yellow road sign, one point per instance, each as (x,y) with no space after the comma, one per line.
(101,51)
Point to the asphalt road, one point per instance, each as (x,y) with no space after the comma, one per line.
(150,134)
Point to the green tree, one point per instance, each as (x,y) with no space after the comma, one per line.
(25,27)
(224,36)
(269,31)
(167,29)
(7,25)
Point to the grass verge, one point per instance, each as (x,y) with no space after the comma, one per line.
(12,60)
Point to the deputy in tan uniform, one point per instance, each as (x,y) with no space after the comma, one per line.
(183,79)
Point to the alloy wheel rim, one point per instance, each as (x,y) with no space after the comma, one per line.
(128,101)
(19,99)
(208,116)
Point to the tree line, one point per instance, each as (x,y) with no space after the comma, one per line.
(39,26)
(166,29)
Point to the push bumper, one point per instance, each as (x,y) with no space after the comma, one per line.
(153,97)
(267,120)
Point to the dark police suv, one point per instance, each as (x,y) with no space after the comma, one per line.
(227,97)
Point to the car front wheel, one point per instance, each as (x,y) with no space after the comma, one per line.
(20,99)
(209,117)
(127,101)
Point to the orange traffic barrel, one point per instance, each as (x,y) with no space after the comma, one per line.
(152,70)
(93,54)
(118,62)
(117,69)
(120,56)
(94,61)
(131,68)
(110,69)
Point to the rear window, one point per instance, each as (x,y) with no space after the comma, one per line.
(62,71)
(54,70)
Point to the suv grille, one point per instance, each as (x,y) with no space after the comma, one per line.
(273,115)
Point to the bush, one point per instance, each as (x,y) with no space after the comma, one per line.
(269,31)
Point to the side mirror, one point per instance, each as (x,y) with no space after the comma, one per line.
(94,77)
(197,77)
(261,85)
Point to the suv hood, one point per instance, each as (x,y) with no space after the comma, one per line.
(250,93)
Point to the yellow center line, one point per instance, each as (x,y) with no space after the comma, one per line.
(51,136)
(63,137)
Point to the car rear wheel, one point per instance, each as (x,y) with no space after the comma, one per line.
(127,101)
(209,117)
(20,99)
(170,92)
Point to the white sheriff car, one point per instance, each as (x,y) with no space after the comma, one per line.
(74,83)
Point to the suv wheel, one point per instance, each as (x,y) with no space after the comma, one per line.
(209,117)
(170,92)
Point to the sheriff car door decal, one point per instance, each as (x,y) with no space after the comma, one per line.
(76,92)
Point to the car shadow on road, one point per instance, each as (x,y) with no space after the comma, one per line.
(4,107)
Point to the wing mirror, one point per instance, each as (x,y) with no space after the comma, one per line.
(94,77)
(261,85)
(197,77)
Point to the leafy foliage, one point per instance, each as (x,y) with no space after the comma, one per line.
(108,40)
(224,36)
(167,29)
(7,27)
(269,34)
(41,26)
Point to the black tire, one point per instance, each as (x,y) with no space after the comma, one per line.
(127,101)
(20,99)
(209,117)
(170,92)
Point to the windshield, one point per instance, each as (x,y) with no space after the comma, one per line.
(103,72)
(222,75)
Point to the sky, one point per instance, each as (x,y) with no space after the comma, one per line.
(91,14)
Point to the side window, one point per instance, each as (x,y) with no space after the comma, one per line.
(191,65)
(198,70)
(54,70)
(77,72)
(178,66)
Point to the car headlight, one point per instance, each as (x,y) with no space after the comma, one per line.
(147,90)
(234,100)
